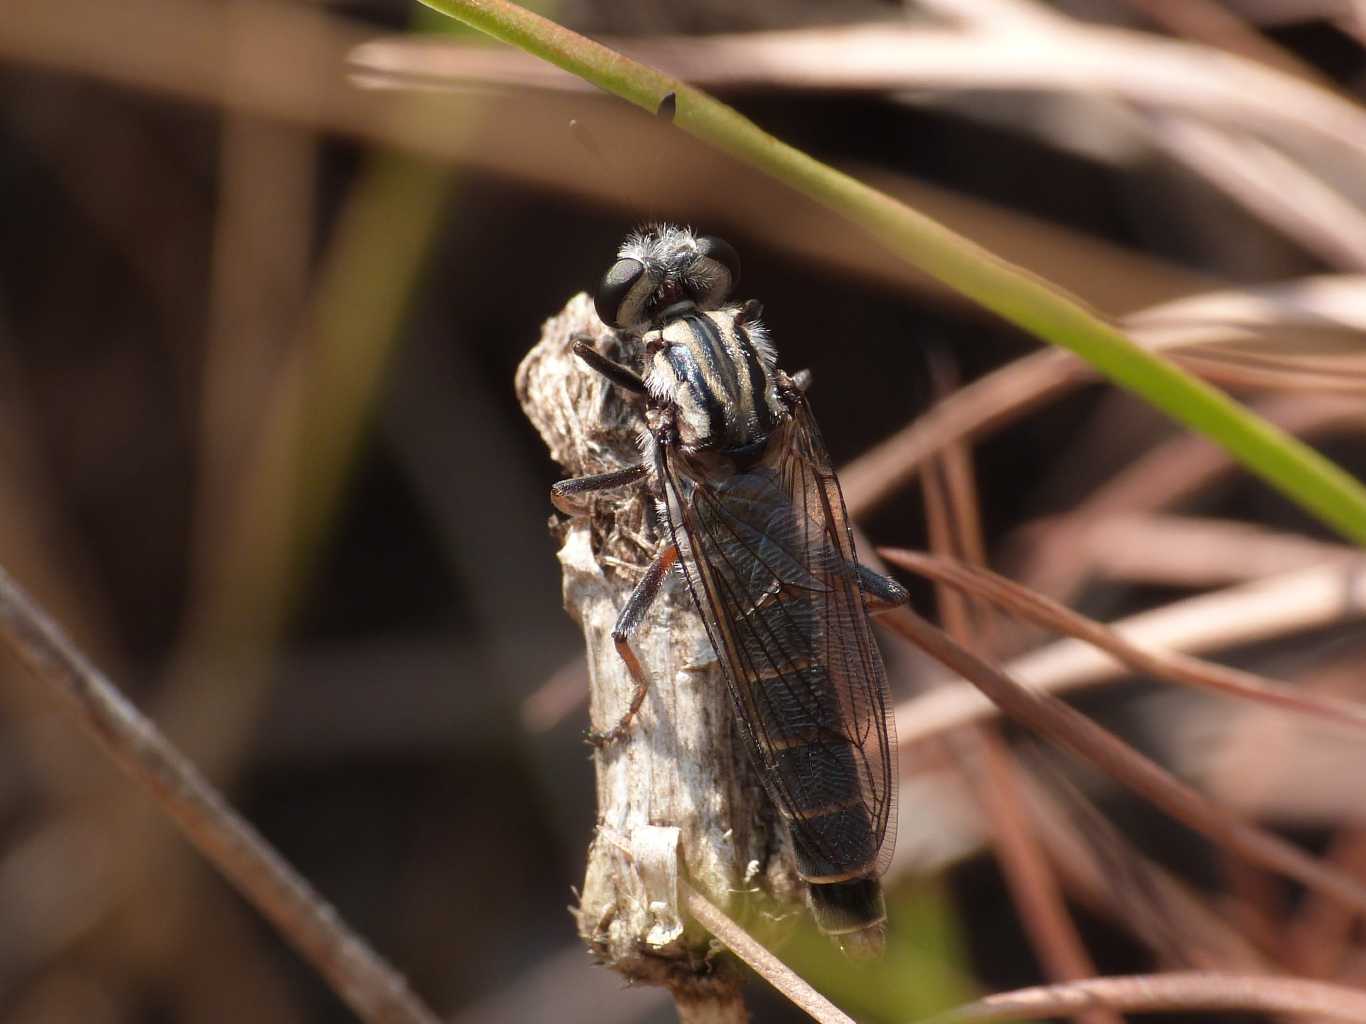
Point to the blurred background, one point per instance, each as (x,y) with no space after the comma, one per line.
(266,272)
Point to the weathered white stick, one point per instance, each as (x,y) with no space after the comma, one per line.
(678,792)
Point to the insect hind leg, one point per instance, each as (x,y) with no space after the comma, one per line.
(627,623)
(880,593)
(568,495)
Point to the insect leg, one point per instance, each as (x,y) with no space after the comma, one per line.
(567,495)
(626,379)
(627,622)
(880,593)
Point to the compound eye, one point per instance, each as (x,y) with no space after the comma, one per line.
(717,268)
(621,295)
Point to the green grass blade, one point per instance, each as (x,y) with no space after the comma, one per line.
(1293,468)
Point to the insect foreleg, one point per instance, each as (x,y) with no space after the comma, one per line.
(627,622)
(880,593)
(567,495)
(624,378)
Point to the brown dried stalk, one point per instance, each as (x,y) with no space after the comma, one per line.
(364,981)
(1157,73)
(1253,611)
(1169,993)
(1171,472)
(677,796)
(1318,938)
(1000,397)
(1178,668)
(1068,728)
(764,963)
(163,47)
(1108,874)
(951,512)
(1209,22)
(1194,551)
(1267,181)
(1283,375)
(1164,476)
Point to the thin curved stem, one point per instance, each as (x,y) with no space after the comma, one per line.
(373,989)
(763,962)
(1169,993)
(1287,464)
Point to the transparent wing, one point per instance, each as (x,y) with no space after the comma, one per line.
(770,562)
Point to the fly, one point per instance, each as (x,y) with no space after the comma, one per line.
(756,521)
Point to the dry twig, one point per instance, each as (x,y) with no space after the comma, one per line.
(1177,668)
(1170,993)
(1002,396)
(764,963)
(1192,551)
(954,525)
(1107,873)
(681,763)
(365,982)
(1068,728)
(1254,611)
(1160,73)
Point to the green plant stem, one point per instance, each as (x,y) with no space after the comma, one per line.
(1018,296)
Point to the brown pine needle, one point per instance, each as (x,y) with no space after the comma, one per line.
(1178,668)
(951,506)
(373,989)
(1169,993)
(1247,613)
(760,960)
(1068,728)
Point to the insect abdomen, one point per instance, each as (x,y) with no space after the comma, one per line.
(817,770)
(834,841)
(852,911)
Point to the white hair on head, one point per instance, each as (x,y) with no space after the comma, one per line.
(653,243)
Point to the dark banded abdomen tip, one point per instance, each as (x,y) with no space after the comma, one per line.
(853,914)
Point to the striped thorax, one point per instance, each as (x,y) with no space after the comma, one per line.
(710,365)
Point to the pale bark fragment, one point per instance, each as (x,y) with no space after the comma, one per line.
(681,779)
